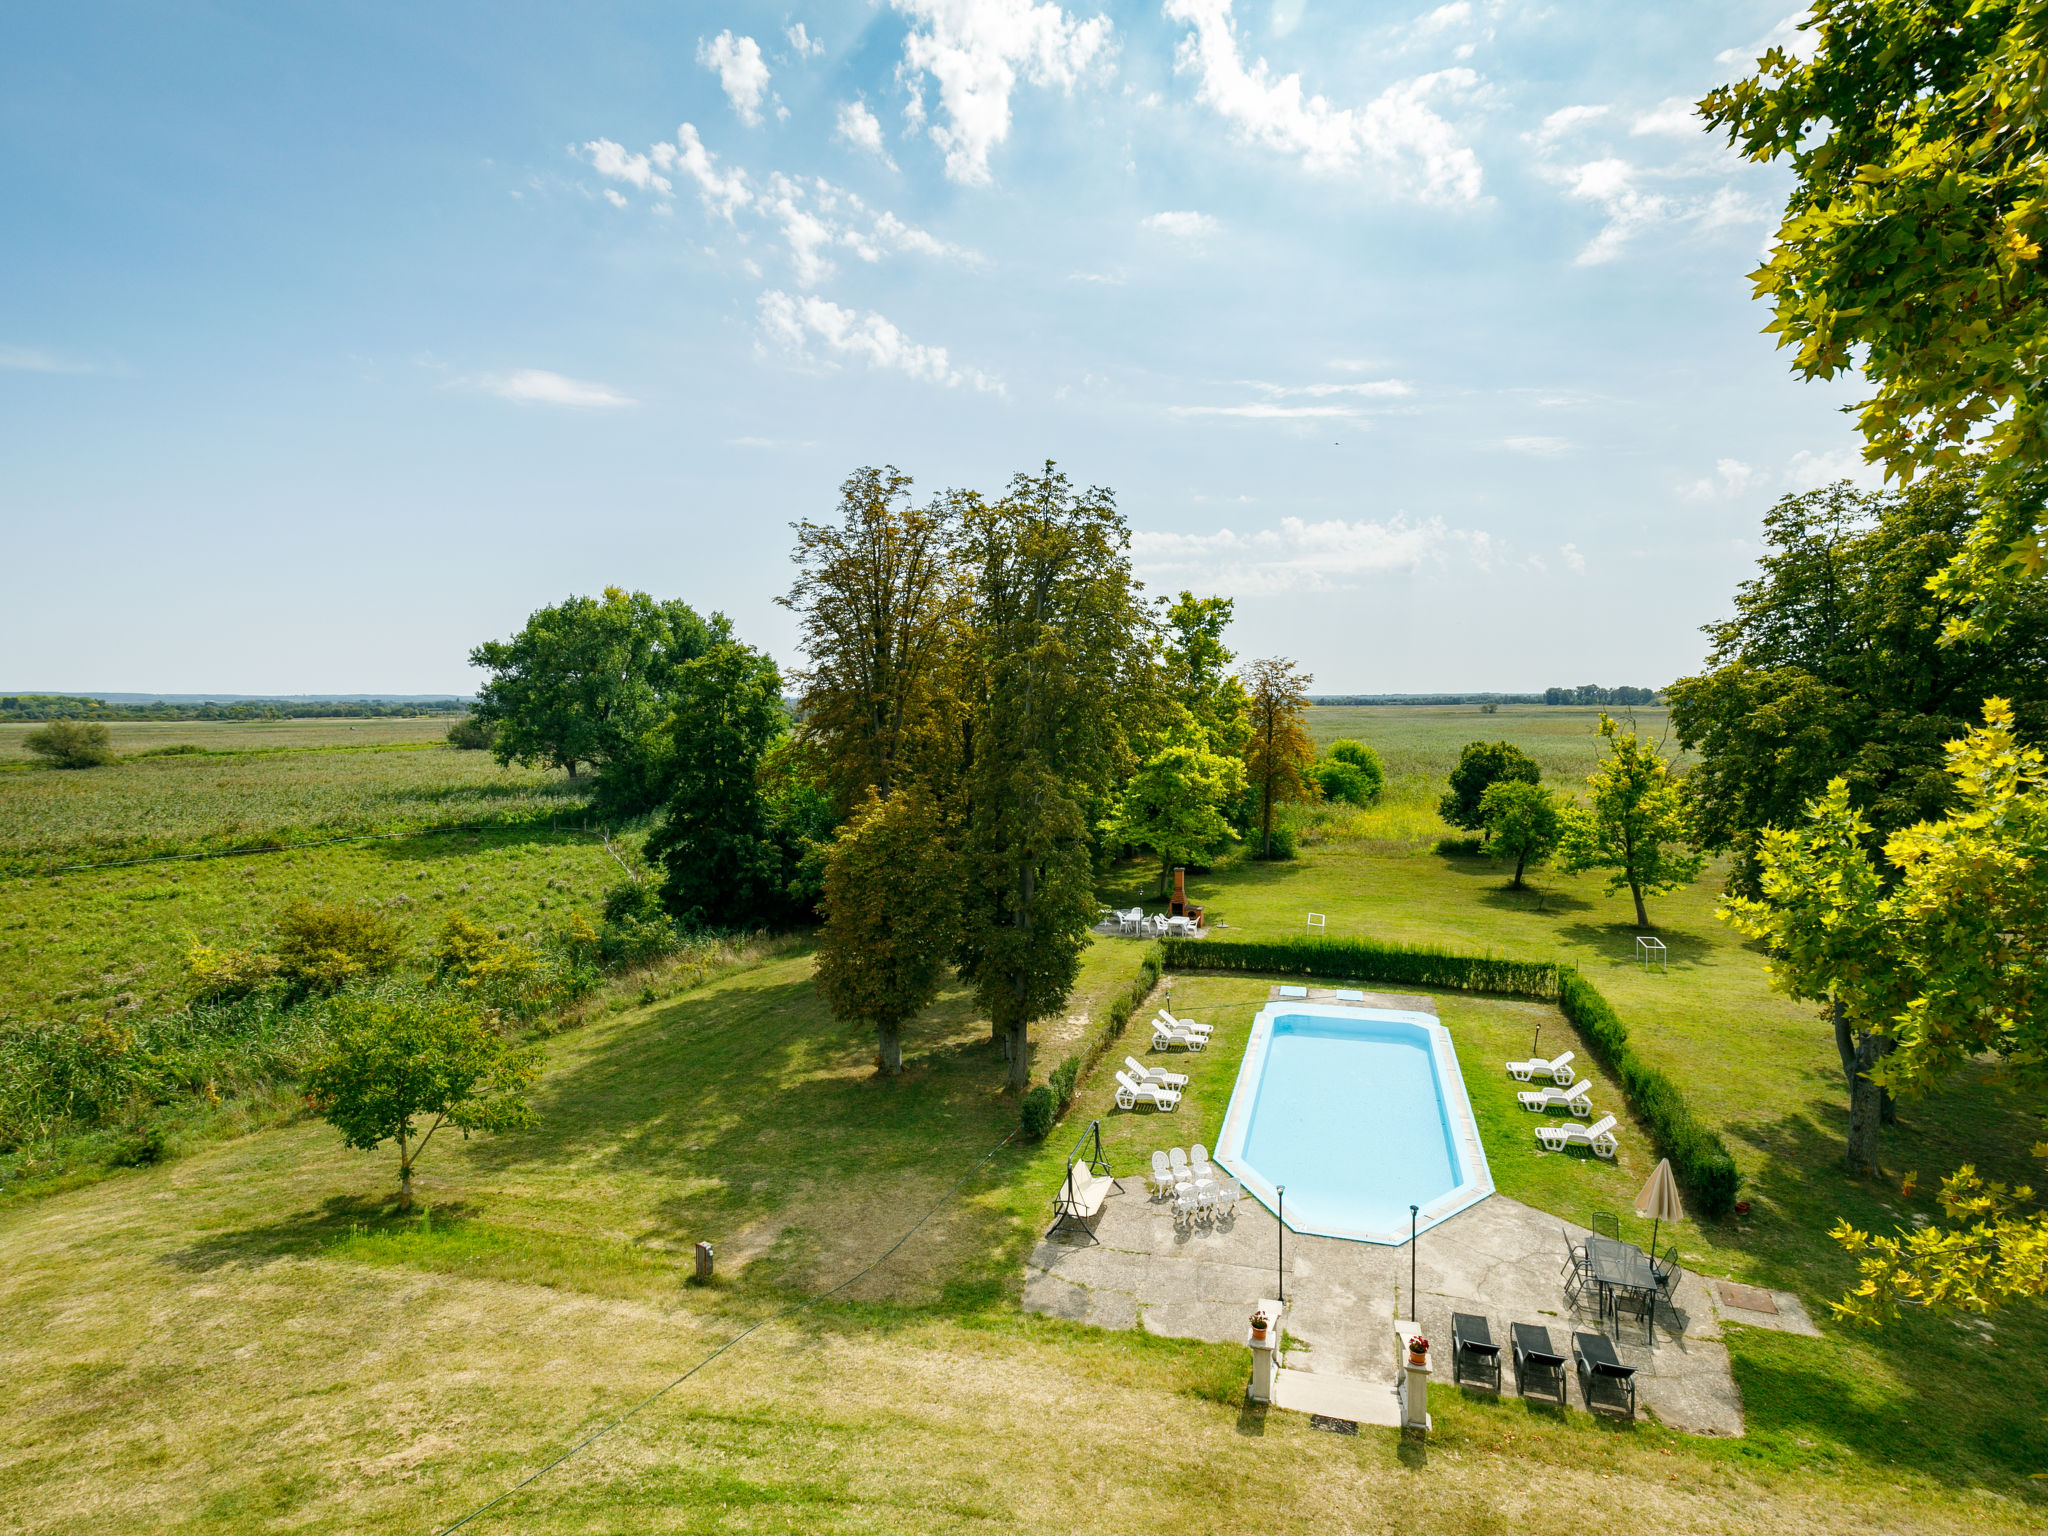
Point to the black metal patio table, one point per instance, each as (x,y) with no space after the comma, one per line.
(1619,1266)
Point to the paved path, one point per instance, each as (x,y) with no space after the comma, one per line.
(1499,1258)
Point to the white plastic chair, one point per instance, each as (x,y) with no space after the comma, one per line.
(1161,1177)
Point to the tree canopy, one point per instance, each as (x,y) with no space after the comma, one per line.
(1636,825)
(1196,663)
(1910,248)
(1279,757)
(1834,665)
(1523,821)
(1174,805)
(1480,764)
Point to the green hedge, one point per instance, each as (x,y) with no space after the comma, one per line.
(1038,1116)
(1363,960)
(1698,1155)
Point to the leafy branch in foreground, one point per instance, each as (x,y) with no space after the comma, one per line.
(1995,1250)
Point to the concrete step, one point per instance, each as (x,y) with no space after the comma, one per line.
(1337,1397)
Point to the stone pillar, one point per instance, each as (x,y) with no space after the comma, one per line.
(1414,1380)
(1264,1353)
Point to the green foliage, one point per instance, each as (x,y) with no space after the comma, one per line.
(399,1057)
(1362,757)
(1063,1080)
(1197,668)
(225,975)
(1835,666)
(1344,782)
(892,916)
(1522,820)
(589,681)
(1279,757)
(472,733)
(1480,764)
(324,946)
(1911,243)
(1173,806)
(724,866)
(1699,1157)
(64,706)
(1037,1113)
(71,744)
(1637,822)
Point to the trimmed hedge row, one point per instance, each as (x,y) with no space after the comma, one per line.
(1044,1106)
(1417,965)
(1698,1155)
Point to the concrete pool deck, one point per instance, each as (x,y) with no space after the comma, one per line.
(1499,1259)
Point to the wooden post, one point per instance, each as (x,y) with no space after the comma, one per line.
(704,1260)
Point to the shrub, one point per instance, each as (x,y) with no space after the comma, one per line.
(177,749)
(471,734)
(1064,1077)
(1343,781)
(1286,842)
(225,975)
(1036,1114)
(71,744)
(1358,755)
(321,948)
(503,975)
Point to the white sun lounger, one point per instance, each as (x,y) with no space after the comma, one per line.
(1578,1098)
(1599,1136)
(1193,1028)
(1130,1093)
(1558,1070)
(1159,1075)
(1165,1036)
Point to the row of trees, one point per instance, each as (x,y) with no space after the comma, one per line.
(1593,693)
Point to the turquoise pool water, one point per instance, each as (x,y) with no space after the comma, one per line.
(1359,1114)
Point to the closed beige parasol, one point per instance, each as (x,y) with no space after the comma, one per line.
(1658,1200)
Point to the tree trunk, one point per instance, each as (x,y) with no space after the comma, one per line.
(1521,861)
(891,1053)
(1018,1045)
(404,1175)
(1860,1050)
(1642,915)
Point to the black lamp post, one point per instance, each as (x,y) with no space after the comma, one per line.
(1414,1301)
(1280,1214)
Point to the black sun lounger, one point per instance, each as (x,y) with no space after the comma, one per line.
(1473,1350)
(1600,1367)
(1535,1358)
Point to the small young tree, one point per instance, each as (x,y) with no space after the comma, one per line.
(322,947)
(1173,806)
(1480,764)
(1637,825)
(1280,756)
(71,744)
(892,914)
(1522,822)
(1357,754)
(400,1065)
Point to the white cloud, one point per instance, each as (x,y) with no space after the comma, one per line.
(795,321)
(1673,115)
(613,160)
(1573,560)
(806,46)
(614,198)
(537,386)
(722,192)
(1379,389)
(741,71)
(1182,226)
(1731,477)
(1266,410)
(1297,556)
(1809,471)
(1396,131)
(977,50)
(1786,35)
(1456,14)
(30,360)
(860,128)
(1541,447)
(1564,120)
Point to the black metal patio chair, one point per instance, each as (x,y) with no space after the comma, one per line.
(1536,1359)
(1600,1367)
(1473,1350)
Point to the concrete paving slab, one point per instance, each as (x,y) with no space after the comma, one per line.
(1783,1312)
(1337,1397)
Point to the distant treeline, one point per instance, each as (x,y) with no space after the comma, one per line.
(1589,693)
(58,706)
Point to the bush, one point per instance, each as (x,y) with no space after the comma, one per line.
(1036,1114)
(71,744)
(1344,781)
(472,734)
(177,749)
(225,975)
(1358,755)
(1064,1077)
(1286,842)
(322,948)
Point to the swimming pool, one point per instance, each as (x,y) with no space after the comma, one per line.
(1360,1113)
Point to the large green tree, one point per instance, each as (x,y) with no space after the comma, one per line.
(1052,654)
(400,1064)
(1174,806)
(725,866)
(1636,825)
(1911,244)
(588,681)
(1279,756)
(877,604)
(1197,675)
(892,912)
(1834,665)
(1523,822)
(1481,764)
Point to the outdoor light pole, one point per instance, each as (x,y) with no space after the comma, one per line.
(1280,1214)
(1412,1298)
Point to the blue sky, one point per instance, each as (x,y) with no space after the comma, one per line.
(336,339)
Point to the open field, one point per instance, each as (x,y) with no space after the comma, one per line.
(130,737)
(153,806)
(247,1337)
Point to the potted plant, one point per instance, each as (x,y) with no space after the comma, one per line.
(1260,1322)
(1418,1350)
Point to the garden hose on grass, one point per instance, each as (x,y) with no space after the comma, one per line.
(787,1311)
